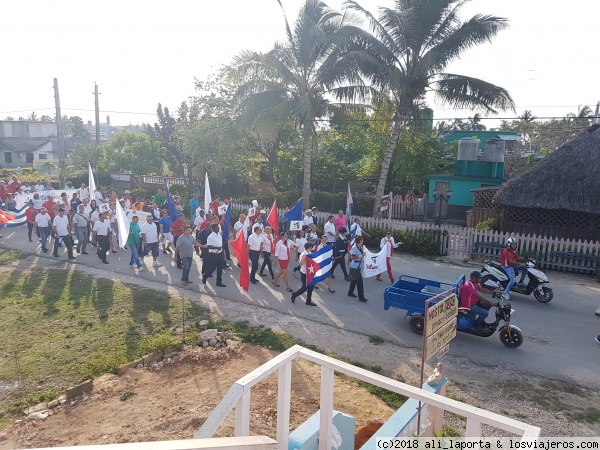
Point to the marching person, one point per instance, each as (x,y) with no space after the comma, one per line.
(340,221)
(42,227)
(133,241)
(357,253)
(150,240)
(177,229)
(215,260)
(340,249)
(184,252)
(318,245)
(282,257)
(299,245)
(101,236)
(329,230)
(165,231)
(82,230)
(255,248)
(268,247)
(304,288)
(30,214)
(62,229)
(388,243)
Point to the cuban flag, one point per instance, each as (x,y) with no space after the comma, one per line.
(318,265)
(170,204)
(295,212)
(349,202)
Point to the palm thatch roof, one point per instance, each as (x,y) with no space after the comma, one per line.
(569,178)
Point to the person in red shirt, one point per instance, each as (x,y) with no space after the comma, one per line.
(14,185)
(3,191)
(510,262)
(30,214)
(49,204)
(177,229)
(214,206)
(471,298)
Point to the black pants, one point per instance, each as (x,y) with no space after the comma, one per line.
(341,261)
(179,265)
(357,283)
(304,288)
(214,261)
(226,248)
(254,255)
(29,229)
(103,246)
(68,243)
(267,263)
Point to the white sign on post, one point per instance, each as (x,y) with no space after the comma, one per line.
(440,313)
(440,339)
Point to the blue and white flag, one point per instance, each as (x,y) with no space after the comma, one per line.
(318,265)
(226,222)
(295,212)
(349,202)
(170,203)
(353,229)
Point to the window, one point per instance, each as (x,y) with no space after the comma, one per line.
(8,157)
(42,156)
(28,158)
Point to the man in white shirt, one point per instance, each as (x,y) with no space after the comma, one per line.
(150,240)
(254,249)
(102,234)
(356,230)
(215,256)
(42,225)
(308,219)
(329,230)
(82,229)
(268,247)
(39,187)
(62,229)
(239,225)
(83,192)
(388,243)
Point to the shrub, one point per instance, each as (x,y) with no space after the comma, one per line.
(487,225)
(415,242)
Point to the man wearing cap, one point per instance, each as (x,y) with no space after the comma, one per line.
(62,229)
(102,233)
(308,219)
(214,244)
(470,298)
(128,199)
(315,216)
(42,225)
(150,240)
(82,229)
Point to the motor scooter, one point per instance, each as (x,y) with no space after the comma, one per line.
(494,275)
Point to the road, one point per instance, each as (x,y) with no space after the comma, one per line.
(559,335)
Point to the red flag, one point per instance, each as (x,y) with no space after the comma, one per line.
(241,253)
(273,220)
(5,217)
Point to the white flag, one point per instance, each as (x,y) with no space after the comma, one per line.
(374,263)
(207,196)
(123,225)
(91,182)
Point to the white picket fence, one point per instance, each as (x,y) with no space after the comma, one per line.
(459,242)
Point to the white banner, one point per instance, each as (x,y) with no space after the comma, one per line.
(374,263)
(123,223)
(23,199)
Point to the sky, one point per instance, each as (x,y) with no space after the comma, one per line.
(143,53)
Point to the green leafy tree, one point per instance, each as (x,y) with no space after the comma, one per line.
(296,78)
(133,153)
(84,154)
(411,45)
(74,128)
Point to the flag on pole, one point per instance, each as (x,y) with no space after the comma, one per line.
(241,253)
(91,182)
(318,265)
(273,220)
(123,225)
(170,203)
(375,263)
(349,202)
(226,223)
(207,195)
(295,212)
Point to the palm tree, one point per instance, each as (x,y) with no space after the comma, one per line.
(527,116)
(295,78)
(414,42)
(583,116)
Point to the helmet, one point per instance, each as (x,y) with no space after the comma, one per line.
(511,241)
(476,274)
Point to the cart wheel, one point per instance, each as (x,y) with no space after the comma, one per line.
(512,337)
(417,323)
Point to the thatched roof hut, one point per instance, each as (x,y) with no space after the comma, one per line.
(568,179)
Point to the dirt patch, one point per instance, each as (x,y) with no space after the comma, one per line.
(174,402)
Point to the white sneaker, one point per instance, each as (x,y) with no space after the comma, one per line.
(505,297)
(141,269)
(598,311)
(156,264)
(132,266)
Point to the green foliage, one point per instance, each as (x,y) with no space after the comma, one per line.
(418,242)
(83,154)
(159,341)
(133,152)
(142,193)
(488,225)
(74,128)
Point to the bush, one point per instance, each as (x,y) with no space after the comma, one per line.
(488,225)
(415,242)
(143,193)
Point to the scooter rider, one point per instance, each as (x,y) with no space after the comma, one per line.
(510,262)
(469,297)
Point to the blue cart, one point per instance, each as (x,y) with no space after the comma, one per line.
(410,294)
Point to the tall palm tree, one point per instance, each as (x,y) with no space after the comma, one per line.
(297,77)
(414,42)
(583,116)
(527,116)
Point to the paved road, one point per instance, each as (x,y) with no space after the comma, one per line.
(558,335)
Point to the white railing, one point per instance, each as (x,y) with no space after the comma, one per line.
(459,242)
(229,443)
(161,180)
(238,398)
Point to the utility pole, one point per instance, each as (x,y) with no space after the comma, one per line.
(59,134)
(597,119)
(97,114)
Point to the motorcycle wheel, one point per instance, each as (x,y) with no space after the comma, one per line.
(417,323)
(547,296)
(488,277)
(512,338)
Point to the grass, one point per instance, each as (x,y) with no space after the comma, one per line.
(589,415)
(9,256)
(376,340)
(59,327)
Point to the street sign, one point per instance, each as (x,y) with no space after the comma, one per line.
(383,208)
(441,313)
(440,339)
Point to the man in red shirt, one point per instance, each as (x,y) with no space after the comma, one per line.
(510,262)
(177,229)
(49,204)
(14,185)
(469,298)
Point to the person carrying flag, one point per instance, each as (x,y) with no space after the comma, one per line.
(304,288)
(388,243)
